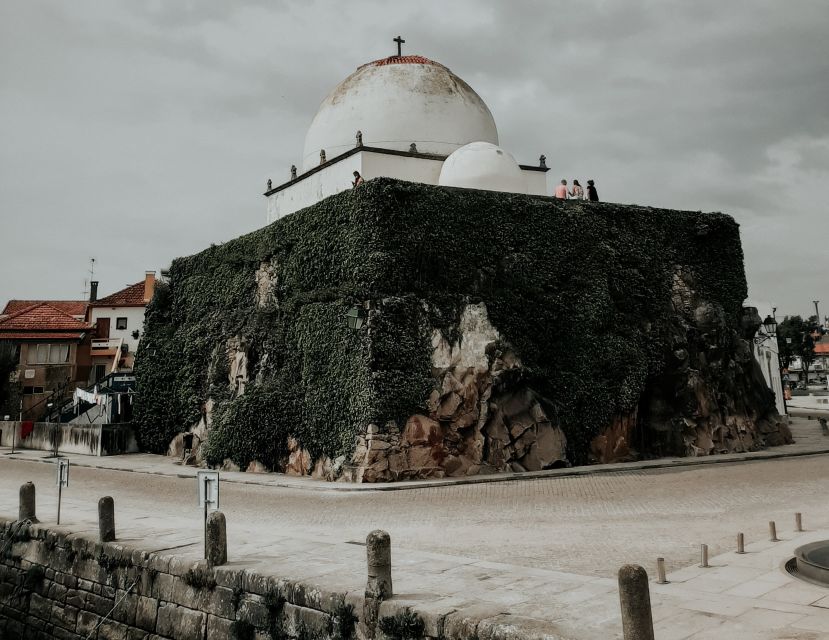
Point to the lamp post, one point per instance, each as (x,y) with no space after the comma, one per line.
(356,317)
(769,332)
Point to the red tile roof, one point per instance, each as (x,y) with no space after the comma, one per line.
(44,335)
(131,296)
(72,307)
(44,320)
(401,60)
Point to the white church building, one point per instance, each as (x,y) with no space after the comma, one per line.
(404,117)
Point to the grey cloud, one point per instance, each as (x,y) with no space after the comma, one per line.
(138,132)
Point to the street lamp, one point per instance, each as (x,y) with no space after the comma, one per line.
(769,330)
(769,333)
(356,317)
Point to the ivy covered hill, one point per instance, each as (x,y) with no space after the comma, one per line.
(501,331)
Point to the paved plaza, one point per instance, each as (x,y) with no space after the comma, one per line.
(545,549)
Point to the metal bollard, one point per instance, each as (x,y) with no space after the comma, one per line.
(703,556)
(27,502)
(106,519)
(660,572)
(741,545)
(215,539)
(635,601)
(798,522)
(773,532)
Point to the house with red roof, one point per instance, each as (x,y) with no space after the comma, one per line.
(52,347)
(119,321)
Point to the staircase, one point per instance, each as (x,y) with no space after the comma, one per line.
(807,432)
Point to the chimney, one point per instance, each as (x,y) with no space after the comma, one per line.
(93,291)
(149,285)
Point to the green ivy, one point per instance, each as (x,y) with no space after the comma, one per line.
(581,291)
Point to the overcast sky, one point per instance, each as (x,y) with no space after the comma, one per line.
(135,132)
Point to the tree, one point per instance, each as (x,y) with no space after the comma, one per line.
(794,340)
(807,355)
(790,335)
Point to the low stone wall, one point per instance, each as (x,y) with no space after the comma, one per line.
(92,439)
(55,584)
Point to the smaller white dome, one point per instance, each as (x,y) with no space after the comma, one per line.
(482,165)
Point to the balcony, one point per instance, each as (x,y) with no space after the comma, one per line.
(107,347)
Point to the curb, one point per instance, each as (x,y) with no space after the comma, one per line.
(272,480)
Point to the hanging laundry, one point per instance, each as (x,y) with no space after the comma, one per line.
(26,428)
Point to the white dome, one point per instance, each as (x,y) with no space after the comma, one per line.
(397,101)
(482,165)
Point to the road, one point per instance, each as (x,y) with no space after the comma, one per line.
(588,525)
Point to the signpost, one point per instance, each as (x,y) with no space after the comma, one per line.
(14,434)
(208,487)
(62,479)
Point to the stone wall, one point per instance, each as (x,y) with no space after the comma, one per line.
(90,440)
(497,332)
(54,584)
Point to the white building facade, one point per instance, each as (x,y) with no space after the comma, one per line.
(766,354)
(402,117)
(119,322)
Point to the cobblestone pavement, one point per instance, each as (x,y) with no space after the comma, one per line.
(588,525)
(546,548)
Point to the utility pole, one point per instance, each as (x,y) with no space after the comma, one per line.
(817,313)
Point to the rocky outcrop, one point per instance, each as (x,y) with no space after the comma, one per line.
(712,397)
(615,443)
(481,418)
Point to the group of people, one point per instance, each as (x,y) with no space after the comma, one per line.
(577,192)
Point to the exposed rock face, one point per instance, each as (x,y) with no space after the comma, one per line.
(266,281)
(480,419)
(712,397)
(237,357)
(614,444)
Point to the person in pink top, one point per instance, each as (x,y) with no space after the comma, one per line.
(561,190)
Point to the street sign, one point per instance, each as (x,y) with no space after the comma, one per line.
(208,496)
(208,490)
(62,479)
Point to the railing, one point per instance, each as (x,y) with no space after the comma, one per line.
(106,344)
(103,346)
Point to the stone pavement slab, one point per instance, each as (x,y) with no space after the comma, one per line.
(316,539)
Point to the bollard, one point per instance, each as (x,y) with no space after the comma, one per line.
(660,572)
(27,502)
(378,553)
(798,522)
(215,539)
(773,532)
(378,586)
(106,519)
(741,545)
(635,601)
(703,556)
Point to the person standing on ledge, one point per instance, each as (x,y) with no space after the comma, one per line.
(592,194)
(577,193)
(561,190)
(358,180)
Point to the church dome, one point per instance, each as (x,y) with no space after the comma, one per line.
(483,165)
(397,101)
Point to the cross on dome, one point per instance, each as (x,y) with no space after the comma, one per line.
(399,42)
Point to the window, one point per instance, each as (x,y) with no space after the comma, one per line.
(58,353)
(48,354)
(30,391)
(121,323)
